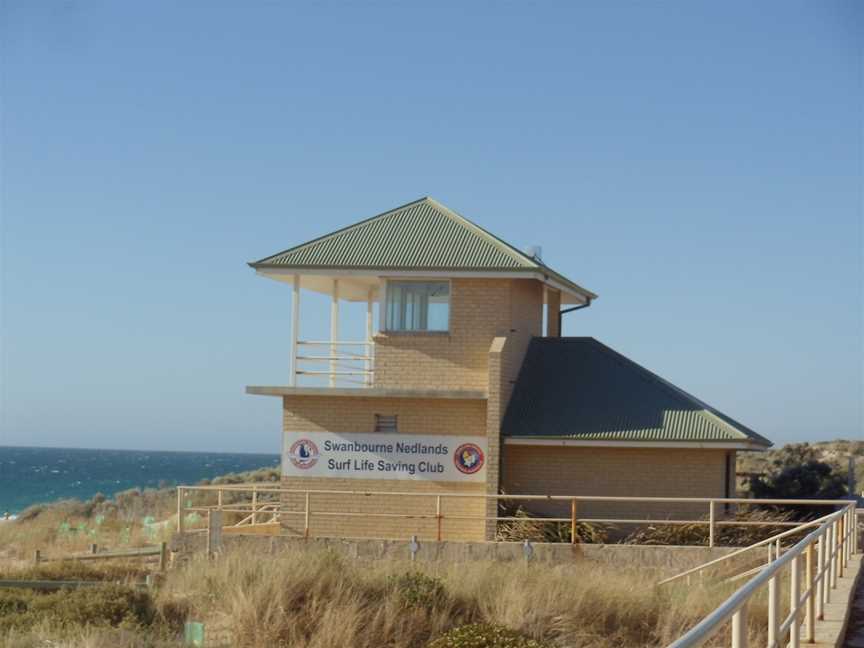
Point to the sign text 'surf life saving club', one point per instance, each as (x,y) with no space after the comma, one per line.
(437,457)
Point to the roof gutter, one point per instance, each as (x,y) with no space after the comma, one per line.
(590,443)
(570,310)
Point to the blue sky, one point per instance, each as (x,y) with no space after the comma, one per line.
(697,164)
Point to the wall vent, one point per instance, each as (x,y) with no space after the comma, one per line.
(386,423)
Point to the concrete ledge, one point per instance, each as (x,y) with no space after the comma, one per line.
(832,631)
(368,392)
(642,556)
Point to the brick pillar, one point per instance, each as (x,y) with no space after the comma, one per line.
(495,404)
(553,306)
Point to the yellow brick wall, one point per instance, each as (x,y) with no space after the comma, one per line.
(357,414)
(625,472)
(554,305)
(480,310)
(415,416)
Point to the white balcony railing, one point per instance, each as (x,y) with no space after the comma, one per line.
(342,364)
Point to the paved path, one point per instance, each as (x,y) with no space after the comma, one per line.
(855,629)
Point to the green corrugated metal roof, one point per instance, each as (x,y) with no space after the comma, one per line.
(422,235)
(578,388)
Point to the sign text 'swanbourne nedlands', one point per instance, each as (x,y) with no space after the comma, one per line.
(384,456)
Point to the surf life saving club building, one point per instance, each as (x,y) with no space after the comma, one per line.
(461,384)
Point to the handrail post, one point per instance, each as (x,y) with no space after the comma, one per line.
(773,611)
(573,521)
(832,556)
(794,599)
(739,628)
(854,516)
(306,514)
(179,510)
(438,518)
(810,636)
(254,506)
(827,579)
(841,547)
(820,578)
(219,498)
(711,521)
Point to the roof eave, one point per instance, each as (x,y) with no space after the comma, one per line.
(542,274)
(558,441)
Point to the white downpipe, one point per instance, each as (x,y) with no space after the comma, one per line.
(382,305)
(295,330)
(334,330)
(369,348)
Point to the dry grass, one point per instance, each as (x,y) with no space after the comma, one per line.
(305,598)
(314,598)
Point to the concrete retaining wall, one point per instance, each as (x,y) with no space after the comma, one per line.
(645,556)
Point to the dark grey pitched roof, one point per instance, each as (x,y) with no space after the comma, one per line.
(578,388)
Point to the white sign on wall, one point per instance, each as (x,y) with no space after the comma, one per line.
(433,457)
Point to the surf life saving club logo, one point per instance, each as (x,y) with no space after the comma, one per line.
(303,454)
(468,458)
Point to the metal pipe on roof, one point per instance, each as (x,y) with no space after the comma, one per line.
(570,310)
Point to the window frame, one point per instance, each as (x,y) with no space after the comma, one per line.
(418,280)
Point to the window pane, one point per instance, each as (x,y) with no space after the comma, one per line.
(418,306)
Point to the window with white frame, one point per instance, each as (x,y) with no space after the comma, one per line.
(418,306)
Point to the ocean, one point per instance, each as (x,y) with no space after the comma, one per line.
(35,475)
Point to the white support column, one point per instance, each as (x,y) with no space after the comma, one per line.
(382,305)
(295,329)
(369,297)
(334,330)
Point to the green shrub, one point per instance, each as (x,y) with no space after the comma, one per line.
(111,605)
(484,635)
(418,590)
(810,479)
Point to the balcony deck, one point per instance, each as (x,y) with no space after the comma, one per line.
(367,392)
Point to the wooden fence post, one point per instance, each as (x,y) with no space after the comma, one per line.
(94,548)
(573,534)
(438,525)
(306,516)
(163,556)
(37,557)
(254,506)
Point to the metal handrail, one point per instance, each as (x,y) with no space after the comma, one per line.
(734,554)
(835,540)
(345,365)
(573,500)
